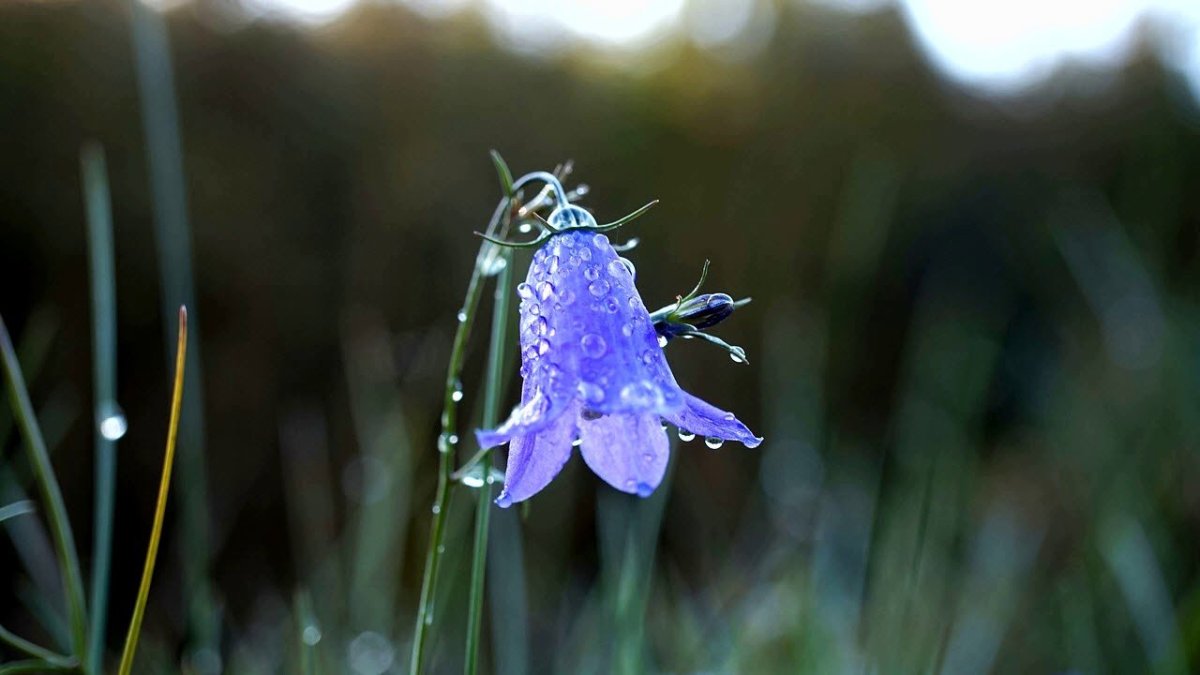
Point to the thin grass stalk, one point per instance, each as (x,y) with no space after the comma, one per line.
(491,417)
(160,509)
(39,652)
(104,383)
(60,527)
(164,158)
(441,504)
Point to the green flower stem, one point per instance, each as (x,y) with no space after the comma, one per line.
(491,417)
(104,359)
(441,504)
(60,527)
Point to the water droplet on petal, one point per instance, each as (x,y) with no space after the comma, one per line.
(640,394)
(585,253)
(627,329)
(611,306)
(591,392)
(644,489)
(534,308)
(615,268)
(591,272)
(600,240)
(525,290)
(552,266)
(713,442)
(598,287)
(662,340)
(629,266)
(593,345)
(648,457)
(630,484)
(573,261)
(567,296)
(504,500)
(545,290)
(685,435)
(633,302)
(531,352)
(647,357)
(543,346)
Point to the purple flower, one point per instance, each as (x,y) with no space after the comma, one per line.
(594,372)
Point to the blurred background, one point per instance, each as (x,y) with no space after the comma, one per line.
(972,236)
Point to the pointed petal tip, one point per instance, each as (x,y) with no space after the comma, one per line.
(753,441)
(489,438)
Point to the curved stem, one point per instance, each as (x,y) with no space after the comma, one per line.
(547,178)
(36,651)
(441,503)
(60,527)
(160,508)
(491,417)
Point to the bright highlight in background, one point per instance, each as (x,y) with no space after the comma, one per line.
(997,46)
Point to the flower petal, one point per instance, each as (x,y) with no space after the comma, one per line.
(705,419)
(629,451)
(546,393)
(535,459)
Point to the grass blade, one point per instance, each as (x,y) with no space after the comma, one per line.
(16,509)
(139,607)
(39,460)
(110,423)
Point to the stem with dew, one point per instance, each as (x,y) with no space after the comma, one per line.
(491,417)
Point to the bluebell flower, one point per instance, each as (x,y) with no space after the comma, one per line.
(594,374)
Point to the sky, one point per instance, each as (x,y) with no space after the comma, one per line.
(997,47)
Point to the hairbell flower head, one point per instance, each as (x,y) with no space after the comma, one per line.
(594,372)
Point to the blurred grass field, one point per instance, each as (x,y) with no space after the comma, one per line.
(974,345)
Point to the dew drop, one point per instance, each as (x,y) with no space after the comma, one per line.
(552,266)
(567,296)
(577,442)
(573,261)
(593,345)
(662,340)
(462,317)
(114,425)
(644,489)
(631,485)
(591,273)
(472,480)
(685,435)
(545,290)
(611,306)
(504,500)
(615,267)
(436,509)
(457,394)
(525,290)
(311,635)
(598,287)
(647,357)
(633,302)
(648,457)
(713,442)
(452,439)
(591,392)
(640,394)
(629,266)
(371,654)
(627,329)
(585,253)
(525,228)
(736,358)
(531,353)
(534,308)
(600,240)
(543,346)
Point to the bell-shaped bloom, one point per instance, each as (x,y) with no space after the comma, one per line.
(594,376)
